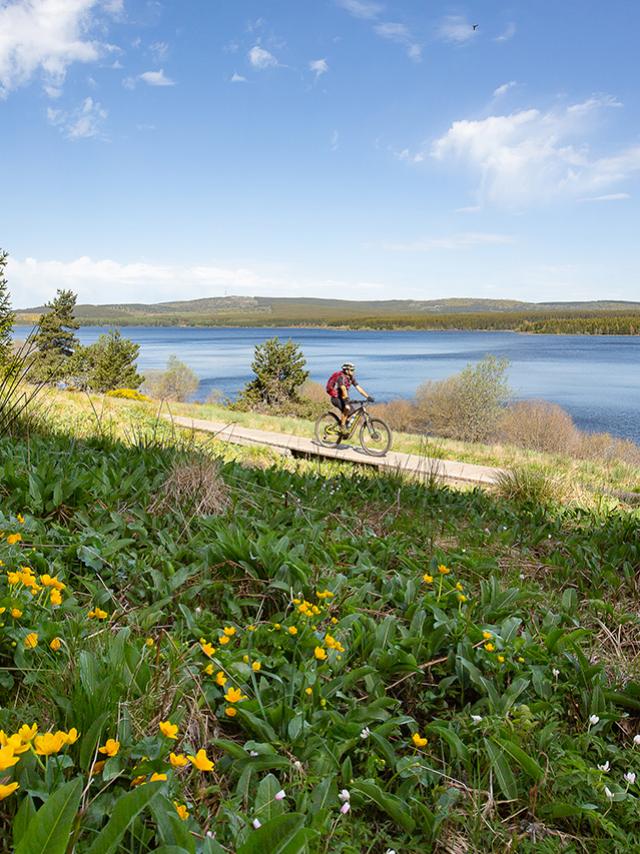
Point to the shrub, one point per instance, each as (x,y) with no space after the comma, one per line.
(530,486)
(540,426)
(401,415)
(279,369)
(177,383)
(467,405)
(128,394)
(111,363)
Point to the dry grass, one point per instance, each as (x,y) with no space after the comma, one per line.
(193,485)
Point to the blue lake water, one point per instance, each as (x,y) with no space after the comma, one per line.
(595,378)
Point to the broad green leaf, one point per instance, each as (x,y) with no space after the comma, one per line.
(275,836)
(526,762)
(502,770)
(23,819)
(266,807)
(124,812)
(91,740)
(393,806)
(50,828)
(458,748)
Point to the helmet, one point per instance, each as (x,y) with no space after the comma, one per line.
(348,366)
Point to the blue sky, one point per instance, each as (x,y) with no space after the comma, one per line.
(367,149)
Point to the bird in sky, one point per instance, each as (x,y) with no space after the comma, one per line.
(475,26)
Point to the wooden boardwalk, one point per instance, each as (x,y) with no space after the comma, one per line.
(412,464)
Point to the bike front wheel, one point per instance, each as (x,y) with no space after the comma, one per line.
(375,437)
(327,430)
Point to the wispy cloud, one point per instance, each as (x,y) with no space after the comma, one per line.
(508,33)
(82,123)
(159,50)
(237,78)
(400,34)
(465,240)
(534,156)
(608,197)
(502,90)
(261,58)
(48,36)
(156,78)
(456,29)
(361,8)
(319,67)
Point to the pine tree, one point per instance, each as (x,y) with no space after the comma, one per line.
(7,316)
(113,363)
(280,371)
(56,340)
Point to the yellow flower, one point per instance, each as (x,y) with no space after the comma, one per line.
(31,640)
(501,659)
(427,578)
(110,747)
(7,758)
(97,767)
(149,642)
(418,740)
(459,586)
(49,743)
(168,729)
(14,742)
(521,659)
(234,695)
(14,578)
(231,711)
(324,594)
(256,666)
(221,679)
(207,648)
(55,644)
(462,597)
(20,519)
(181,809)
(245,658)
(308,691)
(320,653)
(333,621)
(16,612)
(443,570)
(55,597)
(72,736)
(296,601)
(251,628)
(201,761)
(208,670)
(229,631)
(51,581)
(8,789)
(12,539)
(178,760)
(487,635)
(292,630)
(277,626)
(27,733)
(137,781)
(98,613)
(489,647)
(156,778)
(223,640)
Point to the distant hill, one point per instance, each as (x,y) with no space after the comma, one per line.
(617,316)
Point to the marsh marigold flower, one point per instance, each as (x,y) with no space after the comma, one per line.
(178,760)
(55,644)
(223,640)
(320,653)
(234,695)
(12,539)
(110,747)
(168,729)
(16,613)
(49,743)
(28,733)
(324,594)
(221,679)
(292,630)
(443,570)
(98,614)
(8,789)
(255,666)
(157,778)
(428,579)
(489,647)
(231,711)
(31,640)
(181,809)
(487,635)
(201,761)
(208,648)
(418,740)
(55,597)
(8,758)
(229,631)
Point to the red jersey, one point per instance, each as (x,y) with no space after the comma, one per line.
(338,380)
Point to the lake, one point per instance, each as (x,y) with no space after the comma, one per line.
(595,378)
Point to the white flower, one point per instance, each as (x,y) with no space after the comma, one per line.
(608,793)
(344,795)
(346,806)
(365,733)
(476,718)
(297,765)
(256,823)
(280,796)
(556,672)
(604,767)
(390,851)
(636,739)
(630,777)
(253,753)
(594,719)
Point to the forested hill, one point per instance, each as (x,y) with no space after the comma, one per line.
(597,317)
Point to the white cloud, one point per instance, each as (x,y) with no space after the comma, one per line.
(159,50)
(508,33)
(608,197)
(361,8)
(319,66)
(400,34)
(409,156)
(157,78)
(532,156)
(466,240)
(83,123)
(261,58)
(456,29)
(502,90)
(47,36)
(237,78)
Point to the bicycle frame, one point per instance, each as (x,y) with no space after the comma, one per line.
(359,412)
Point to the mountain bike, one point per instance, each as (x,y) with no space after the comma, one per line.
(375,435)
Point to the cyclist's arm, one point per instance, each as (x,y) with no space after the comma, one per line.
(359,389)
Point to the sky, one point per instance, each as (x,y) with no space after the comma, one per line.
(368,149)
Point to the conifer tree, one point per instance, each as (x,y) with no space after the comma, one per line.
(56,340)
(7,316)
(113,362)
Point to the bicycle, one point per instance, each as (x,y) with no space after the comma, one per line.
(375,435)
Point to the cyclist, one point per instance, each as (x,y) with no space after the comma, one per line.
(338,386)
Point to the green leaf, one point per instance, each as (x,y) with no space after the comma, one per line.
(393,806)
(458,748)
(23,819)
(126,809)
(276,836)
(266,807)
(502,770)
(91,741)
(526,762)
(49,830)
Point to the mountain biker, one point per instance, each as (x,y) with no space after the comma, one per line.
(338,386)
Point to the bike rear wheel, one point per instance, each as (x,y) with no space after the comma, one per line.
(327,430)
(375,437)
